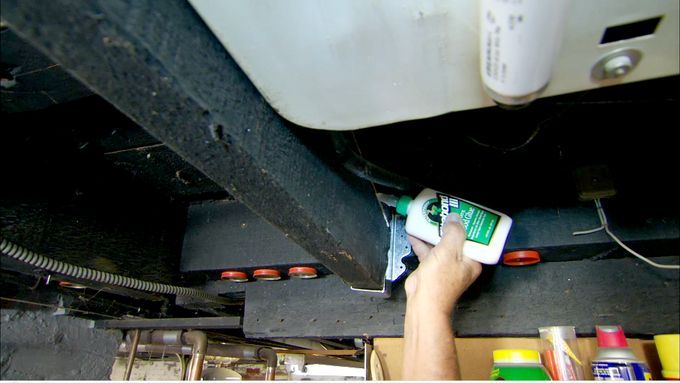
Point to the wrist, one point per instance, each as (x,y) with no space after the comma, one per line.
(431,305)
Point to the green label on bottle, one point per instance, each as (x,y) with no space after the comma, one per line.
(432,211)
(519,373)
(480,224)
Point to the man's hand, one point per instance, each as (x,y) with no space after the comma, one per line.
(444,273)
(431,294)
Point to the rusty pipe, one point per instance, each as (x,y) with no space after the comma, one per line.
(132,354)
(231,351)
(157,349)
(269,356)
(196,339)
(199,345)
(226,350)
(165,337)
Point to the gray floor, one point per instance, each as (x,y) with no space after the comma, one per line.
(39,345)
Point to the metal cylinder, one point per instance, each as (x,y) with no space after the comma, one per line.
(166,337)
(132,354)
(272,360)
(519,44)
(173,341)
(199,345)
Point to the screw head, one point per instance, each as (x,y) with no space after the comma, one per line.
(616,64)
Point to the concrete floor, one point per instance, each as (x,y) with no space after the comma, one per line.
(37,345)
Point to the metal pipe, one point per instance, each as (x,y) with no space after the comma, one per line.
(157,349)
(362,168)
(265,354)
(269,356)
(225,350)
(167,337)
(229,352)
(131,355)
(200,323)
(199,342)
(40,261)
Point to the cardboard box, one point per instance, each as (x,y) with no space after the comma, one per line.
(475,354)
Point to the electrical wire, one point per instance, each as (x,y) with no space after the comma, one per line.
(182,367)
(534,133)
(514,148)
(591,231)
(375,191)
(353,160)
(605,226)
(24,255)
(56,307)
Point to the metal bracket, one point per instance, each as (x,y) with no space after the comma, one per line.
(399,248)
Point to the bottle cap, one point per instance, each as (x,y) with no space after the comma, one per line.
(521,258)
(610,337)
(402,205)
(234,276)
(302,272)
(670,374)
(267,274)
(667,347)
(516,356)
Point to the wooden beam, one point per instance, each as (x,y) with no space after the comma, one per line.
(505,301)
(159,64)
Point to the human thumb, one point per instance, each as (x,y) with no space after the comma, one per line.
(453,236)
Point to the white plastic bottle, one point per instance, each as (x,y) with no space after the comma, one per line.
(486,229)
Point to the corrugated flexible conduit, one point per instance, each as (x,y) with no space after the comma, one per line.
(40,261)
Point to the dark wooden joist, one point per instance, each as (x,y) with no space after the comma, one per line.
(159,64)
(215,226)
(549,230)
(200,323)
(505,301)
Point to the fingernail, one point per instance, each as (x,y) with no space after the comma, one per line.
(453,217)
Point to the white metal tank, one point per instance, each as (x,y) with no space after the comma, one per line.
(350,64)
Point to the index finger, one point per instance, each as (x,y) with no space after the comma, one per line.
(420,248)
